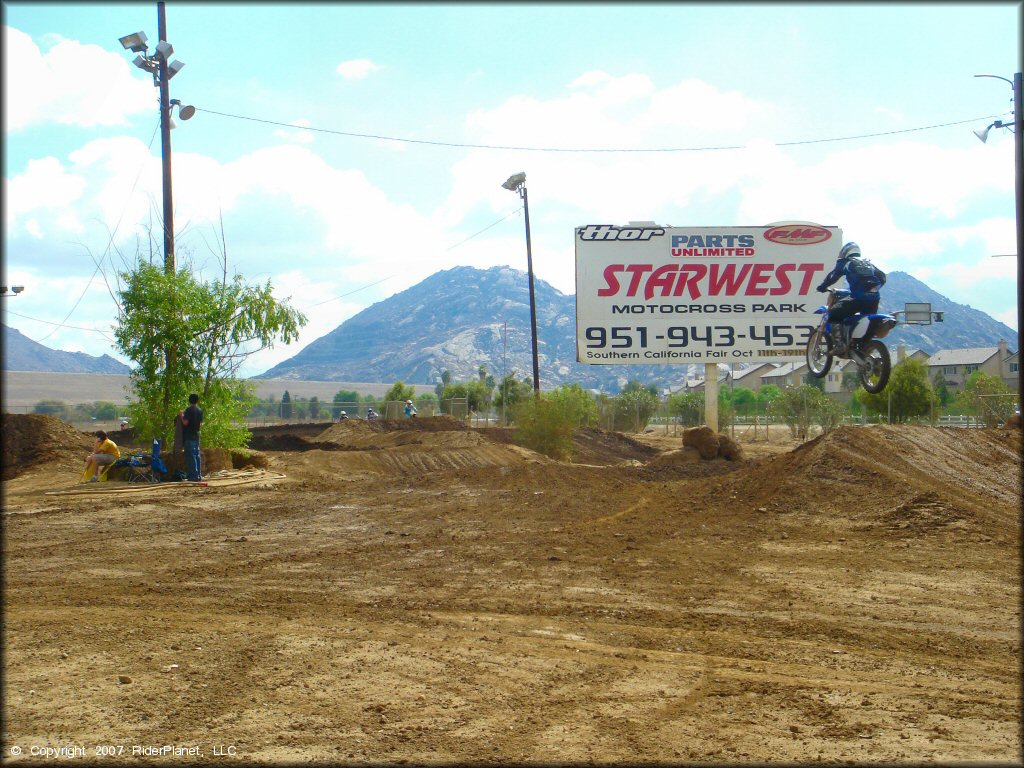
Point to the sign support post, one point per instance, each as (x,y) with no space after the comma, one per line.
(711,395)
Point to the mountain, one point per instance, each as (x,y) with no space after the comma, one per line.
(962,326)
(23,354)
(455,320)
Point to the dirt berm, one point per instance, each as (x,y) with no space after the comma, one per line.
(431,593)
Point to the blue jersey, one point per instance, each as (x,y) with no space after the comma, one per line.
(861,275)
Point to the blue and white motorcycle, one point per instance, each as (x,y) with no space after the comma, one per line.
(859,342)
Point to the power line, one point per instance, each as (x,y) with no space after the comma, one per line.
(380,137)
(61,325)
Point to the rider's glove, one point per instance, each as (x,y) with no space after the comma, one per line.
(822,288)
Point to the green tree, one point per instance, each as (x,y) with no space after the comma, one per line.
(941,389)
(815,382)
(635,386)
(906,396)
(56,408)
(829,414)
(343,400)
(545,425)
(634,408)
(744,401)
(453,391)
(798,407)
(510,393)
(286,405)
(577,402)
(184,336)
(479,395)
(987,398)
(105,410)
(766,395)
(445,380)
(688,407)
(399,392)
(314,407)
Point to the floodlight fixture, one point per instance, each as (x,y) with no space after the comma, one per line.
(983,135)
(135,42)
(173,68)
(164,50)
(145,63)
(185,111)
(515,181)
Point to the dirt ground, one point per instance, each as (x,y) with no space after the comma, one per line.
(421,592)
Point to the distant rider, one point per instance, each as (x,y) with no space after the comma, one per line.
(864,279)
(371,415)
(410,409)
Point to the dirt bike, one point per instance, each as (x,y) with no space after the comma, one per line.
(859,342)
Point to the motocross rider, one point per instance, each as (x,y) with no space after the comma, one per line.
(864,281)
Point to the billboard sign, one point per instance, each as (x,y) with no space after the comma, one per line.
(650,294)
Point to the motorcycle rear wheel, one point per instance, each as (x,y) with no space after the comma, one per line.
(819,358)
(875,375)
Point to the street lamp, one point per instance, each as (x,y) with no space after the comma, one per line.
(1018,158)
(517,183)
(162,69)
(15,290)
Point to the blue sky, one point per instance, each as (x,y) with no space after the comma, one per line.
(338,222)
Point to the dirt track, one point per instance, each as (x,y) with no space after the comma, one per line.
(438,594)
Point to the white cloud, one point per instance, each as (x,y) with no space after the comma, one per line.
(357,69)
(70,84)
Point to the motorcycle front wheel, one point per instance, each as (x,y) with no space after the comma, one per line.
(875,374)
(819,359)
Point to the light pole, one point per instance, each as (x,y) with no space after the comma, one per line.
(162,69)
(517,183)
(1018,159)
(15,290)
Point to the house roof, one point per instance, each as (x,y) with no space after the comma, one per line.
(908,353)
(972,356)
(783,370)
(755,371)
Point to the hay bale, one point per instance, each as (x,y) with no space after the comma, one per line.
(215,459)
(703,439)
(729,449)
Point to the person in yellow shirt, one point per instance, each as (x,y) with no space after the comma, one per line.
(105,452)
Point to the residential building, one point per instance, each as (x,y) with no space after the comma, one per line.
(751,377)
(956,365)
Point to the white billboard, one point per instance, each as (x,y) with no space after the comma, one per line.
(650,294)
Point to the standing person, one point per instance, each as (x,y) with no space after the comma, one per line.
(191,420)
(410,409)
(864,279)
(103,453)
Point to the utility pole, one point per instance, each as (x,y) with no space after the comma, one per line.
(165,141)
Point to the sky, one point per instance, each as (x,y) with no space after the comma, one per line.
(345,152)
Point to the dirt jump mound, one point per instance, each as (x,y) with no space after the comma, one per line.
(871,471)
(32,439)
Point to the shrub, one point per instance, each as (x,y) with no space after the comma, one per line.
(546,426)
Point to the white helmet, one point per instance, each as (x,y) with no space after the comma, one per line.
(850,249)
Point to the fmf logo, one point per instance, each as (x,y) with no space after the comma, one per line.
(608,232)
(795,234)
